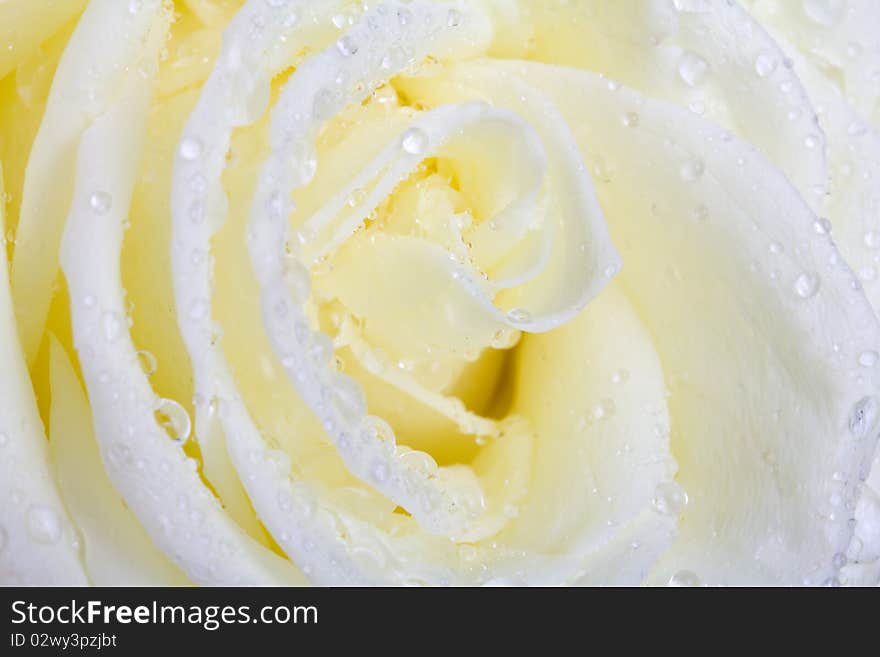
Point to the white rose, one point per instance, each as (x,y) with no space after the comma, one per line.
(455,293)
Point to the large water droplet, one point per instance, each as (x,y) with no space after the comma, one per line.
(669,498)
(173,417)
(43,524)
(147,361)
(414,141)
(692,69)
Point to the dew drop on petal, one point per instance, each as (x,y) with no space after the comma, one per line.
(868,358)
(806,285)
(872,239)
(630,119)
(669,498)
(765,64)
(100,202)
(414,141)
(190,148)
(700,213)
(346,46)
(684,578)
(43,524)
(379,471)
(111,324)
(692,69)
(692,170)
(863,416)
(174,419)
(147,362)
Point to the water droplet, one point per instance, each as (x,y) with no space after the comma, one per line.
(453,18)
(101,202)
(275,4)
(806,285)
(43,524)
(831,582)
(379,471)
(868,358)
(630,119)
(669,498)
(692,170)
(700,213)
(147,361)
(765,64)
(190,148)
(420,462)
(620,376)
(111,323)
(346,46)
(811,141)
(838,560)
(174,419)
(414,141)
(822,226)
(519,315)
(856,129)
(872,239)
(684,578)
(404,16)
(863,416)
(197,212)
(692,69)
(4,539)
(4,439)
(603,409)
(198,309)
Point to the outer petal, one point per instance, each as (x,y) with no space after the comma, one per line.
(38,543)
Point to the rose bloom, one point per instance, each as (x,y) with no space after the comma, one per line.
(445,293)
